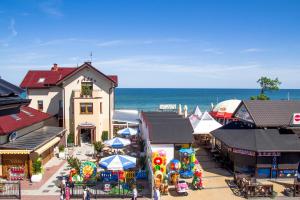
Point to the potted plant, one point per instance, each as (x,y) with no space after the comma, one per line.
(98,147)
(70,139)
(104,135)
(86,91)
(61,150)
(37,170)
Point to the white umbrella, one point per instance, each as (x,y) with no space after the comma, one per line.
(117,142)
(127,131)
(117,162)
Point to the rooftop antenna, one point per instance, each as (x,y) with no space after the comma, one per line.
(91,56)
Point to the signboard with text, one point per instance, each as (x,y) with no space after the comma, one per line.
(296,119)
(167,106)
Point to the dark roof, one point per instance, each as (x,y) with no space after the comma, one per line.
(10,101)
(35,139)
(168,128)
(272,113)
(26,117)
(8,89)
(259,140)
(56,75)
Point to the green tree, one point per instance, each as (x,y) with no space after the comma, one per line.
(104,135)
(266,84)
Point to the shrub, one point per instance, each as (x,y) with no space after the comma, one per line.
(98,146)
(37,166)
(70,138)
(74,162)
(104,135)
(61,148)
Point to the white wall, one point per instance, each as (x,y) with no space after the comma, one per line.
(168,148)
(49,96)
(100,83)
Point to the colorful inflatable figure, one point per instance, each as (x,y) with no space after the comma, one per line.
(88,170)
(197,180)
(174,168)
(188,159)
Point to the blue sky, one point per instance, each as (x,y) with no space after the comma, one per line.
(166,43)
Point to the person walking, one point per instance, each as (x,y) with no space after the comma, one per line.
(84,196)
(156,194)
(134,192)
(88,195)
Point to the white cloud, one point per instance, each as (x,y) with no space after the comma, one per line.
(51,7)
(252,50)
(213,50)
(128,42)
(12,28)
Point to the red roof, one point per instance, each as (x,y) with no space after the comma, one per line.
(46,78)
(27,117)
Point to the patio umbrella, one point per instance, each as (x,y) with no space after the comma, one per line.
(127,131)
(117,143)
(117,162)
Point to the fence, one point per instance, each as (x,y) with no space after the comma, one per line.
(107,190)
(10,190)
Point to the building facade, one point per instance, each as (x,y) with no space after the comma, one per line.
(82,98)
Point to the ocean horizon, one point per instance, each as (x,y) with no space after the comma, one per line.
(149,99)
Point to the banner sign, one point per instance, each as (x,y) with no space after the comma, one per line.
(243,152)
(167,106)
(268,154)
(296,119)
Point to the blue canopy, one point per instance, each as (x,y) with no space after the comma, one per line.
(117,162)
(188,151)
(117,142)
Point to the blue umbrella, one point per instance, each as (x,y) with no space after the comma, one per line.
(127,131)
(117,162)
(117,142)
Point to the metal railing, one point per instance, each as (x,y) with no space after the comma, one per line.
(10,190)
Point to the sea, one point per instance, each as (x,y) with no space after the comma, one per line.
(149,99)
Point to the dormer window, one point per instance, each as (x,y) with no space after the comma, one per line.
(41,80)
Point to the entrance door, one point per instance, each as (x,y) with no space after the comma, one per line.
(86,136)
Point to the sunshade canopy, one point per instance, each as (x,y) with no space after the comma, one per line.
(127,131)
(117,162)
(117,142)
(205,125)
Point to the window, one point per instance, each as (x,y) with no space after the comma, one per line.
(60,104)
(40,105)
(86,88)
(41,80)
(86,108)
(100,107)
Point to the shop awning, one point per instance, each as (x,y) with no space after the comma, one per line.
(47,145)
(35,139)
(14,151)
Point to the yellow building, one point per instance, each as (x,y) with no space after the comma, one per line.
(82,98)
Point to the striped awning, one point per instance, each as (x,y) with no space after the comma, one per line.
(14,151)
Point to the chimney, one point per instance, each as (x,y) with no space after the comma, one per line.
(55,67)
(185,110)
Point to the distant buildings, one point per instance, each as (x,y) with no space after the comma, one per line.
(82,98)
(25,134)
(264,141)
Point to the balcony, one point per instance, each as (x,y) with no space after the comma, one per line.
(94,94)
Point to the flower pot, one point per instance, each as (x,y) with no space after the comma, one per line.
(35,178)
(61,155)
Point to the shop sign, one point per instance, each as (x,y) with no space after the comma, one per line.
(243,152)
(296,119)
(268,154)
(167,106)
